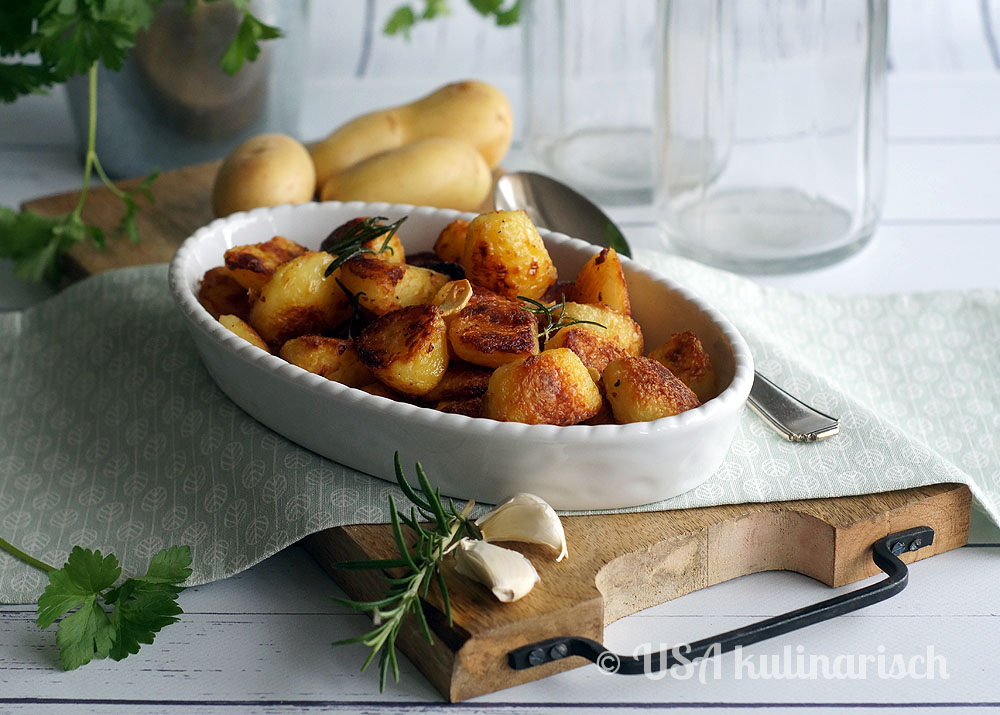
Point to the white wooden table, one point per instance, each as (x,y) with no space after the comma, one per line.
(259,642)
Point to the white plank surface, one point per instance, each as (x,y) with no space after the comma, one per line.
(260,642)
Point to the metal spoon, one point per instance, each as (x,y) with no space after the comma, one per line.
(554,205)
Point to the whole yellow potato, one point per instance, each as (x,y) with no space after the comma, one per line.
(441,172)
(265,170)
(473,112)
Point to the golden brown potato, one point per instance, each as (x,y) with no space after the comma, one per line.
(220,294)
(381,390)
(462,381)
(407,349)
(472,407)
(685,357)
(601,281)
(252,266)
(332,358)
(553,387)
(491,331)
(389,286)
(640,389)
(621,329)
(299,299)
(265,170)
(450,244)
(238,326)
(594,347)
(505,254)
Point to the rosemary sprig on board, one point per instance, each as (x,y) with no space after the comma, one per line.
(553,325)
(421,565)
(348,241)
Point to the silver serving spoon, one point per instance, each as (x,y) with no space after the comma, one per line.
(555,206)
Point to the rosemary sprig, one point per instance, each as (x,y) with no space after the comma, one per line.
(553,325)
(353,300)
(421,565)
(349,240)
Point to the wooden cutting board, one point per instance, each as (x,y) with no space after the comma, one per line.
(618,564)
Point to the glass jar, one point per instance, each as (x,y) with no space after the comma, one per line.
(770,130)
(588,79)
(172,105)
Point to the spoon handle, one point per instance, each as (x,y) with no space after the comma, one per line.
(794,419)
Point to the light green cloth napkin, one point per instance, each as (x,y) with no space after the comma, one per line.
(112,435)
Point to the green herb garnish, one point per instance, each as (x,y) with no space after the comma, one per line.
(84,587)
(420,566)
(349,240)
(354,300)
(404,17)
(553,325)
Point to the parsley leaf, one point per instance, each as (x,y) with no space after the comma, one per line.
(244,46)
(141,606)
(405,17)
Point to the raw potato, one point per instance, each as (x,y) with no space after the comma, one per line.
(685,357)
(621,329)
(265,170)
(407,349)
(475,113)
(332,358)
(640,389)
(220,294)
(601,281)
(252,266)
(505,254)
(389,286)
(441,172)
(552,388)
(491,331)
(238,326)
(450,243)
(299,299)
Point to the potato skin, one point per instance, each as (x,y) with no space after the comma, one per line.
(505,254)
(389,286)
(462,381)
(686,358)
(621,329)
(406,349)
(253,265)
(265,170)
(220,294)
(552,387)
(238,326)
(450,243)
(491,331)
(299,299)
(594,347)
(639,389)
(438,171)
(332,358)
(473,112)
(601,281)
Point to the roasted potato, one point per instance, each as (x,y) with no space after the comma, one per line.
(220,294)
(601,281)
(621,329)
(594,347)
(299,299)
(332,358)
(450,243)
(407,349)
(505,254)
(252,266)
(640,389)
(685,357)
(491,331)
(238,326)
(553,387)
(382,287)
(472,407)
(462,381)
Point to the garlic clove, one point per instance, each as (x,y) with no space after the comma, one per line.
(525,517)
(506,573)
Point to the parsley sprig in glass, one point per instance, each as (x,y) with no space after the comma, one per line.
(436,530)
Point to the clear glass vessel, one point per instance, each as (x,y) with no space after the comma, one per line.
(588,79)
(770,130)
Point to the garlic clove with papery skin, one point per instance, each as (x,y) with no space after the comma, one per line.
(506,573)
(525,517)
